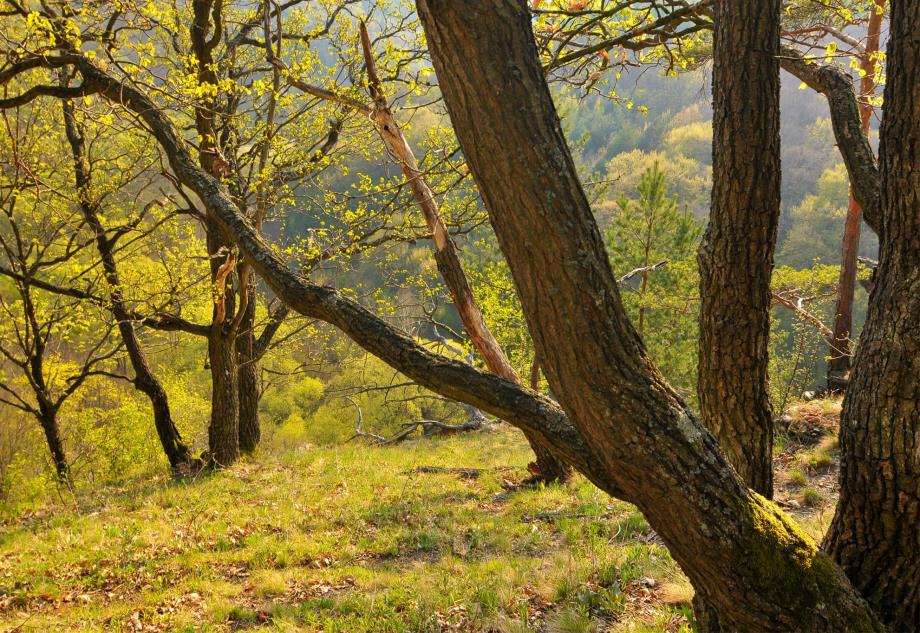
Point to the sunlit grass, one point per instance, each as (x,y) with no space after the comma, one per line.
(345,538)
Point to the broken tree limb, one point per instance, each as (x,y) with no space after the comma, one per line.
(429,427)
(796,305)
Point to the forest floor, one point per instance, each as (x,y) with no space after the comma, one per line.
(356,538)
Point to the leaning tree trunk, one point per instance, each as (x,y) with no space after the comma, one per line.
(875,535)
(745,556)
(626,428)
(546,467)
(144,379)
(838,364)
(247,359)
(736,254)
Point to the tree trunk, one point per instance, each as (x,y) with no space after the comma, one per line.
(736,253)
(744,555)
(144,379)
(838,343)
(838,364)
(874,535)
(224,428)
(47,417)
(546,467)
(247,358)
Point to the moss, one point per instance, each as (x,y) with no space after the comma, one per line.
(786,567)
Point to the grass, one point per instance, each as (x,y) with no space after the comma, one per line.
(344,538)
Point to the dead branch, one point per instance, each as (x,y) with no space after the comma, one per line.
(463,473)
(642,269)
(429,427)
(795,304)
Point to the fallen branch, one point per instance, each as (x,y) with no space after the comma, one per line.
(429,427)
(464,473)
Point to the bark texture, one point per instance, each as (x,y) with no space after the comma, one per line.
(249,391)
(224,426)
(874,535)
(48,419)
(736,253)
(743,554)
(635,439)
(145,380)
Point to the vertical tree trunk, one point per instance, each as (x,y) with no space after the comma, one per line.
(223,430)
(839,342)
(758,570)
(736,253)
(874,535)
(546,466)
(48,419)
(250,431)
(224,427)
(144,379)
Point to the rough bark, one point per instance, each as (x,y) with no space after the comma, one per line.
(545,467)
(838,364)
(741,552)
(736,253)
(636,441)
(223,429)
(249,391)
(874,535)
(47,417)
(144,379)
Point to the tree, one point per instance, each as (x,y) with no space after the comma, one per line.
(648,231)
(736,254)
(35,323)
(874,534)
(606,383)
(652,244)
(144,379)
